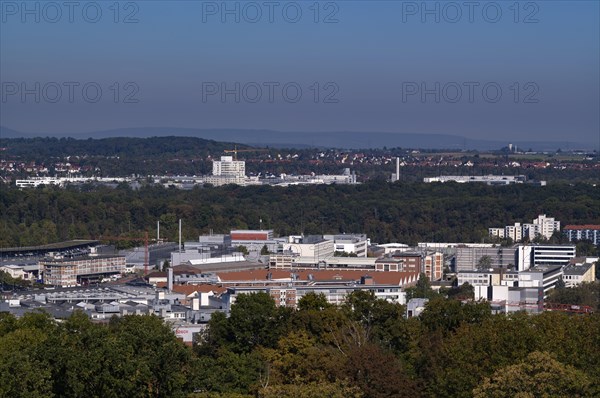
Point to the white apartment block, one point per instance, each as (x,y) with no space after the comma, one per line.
(583,232)
(542,226)
(229,167)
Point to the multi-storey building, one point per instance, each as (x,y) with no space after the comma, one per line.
(229,167)
(400,262)
(349,243)
(71,272)
(583,232)
(309,246)
(580,270)
(474,258)
(433,265)
(542,226)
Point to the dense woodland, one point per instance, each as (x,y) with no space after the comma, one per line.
(362,349)
(399,212)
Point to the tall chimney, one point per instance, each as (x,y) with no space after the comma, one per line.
(170,278)
(180,236)
(398,169)
(158,231)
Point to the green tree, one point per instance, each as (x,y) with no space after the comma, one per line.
(313,301)
(421,290)
(254,321)
(538,375)
(447,315)
(484,263)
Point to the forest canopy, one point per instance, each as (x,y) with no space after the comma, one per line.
(400,212)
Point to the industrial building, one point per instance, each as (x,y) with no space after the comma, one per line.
(73,272)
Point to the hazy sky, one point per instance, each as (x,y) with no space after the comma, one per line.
(516,70)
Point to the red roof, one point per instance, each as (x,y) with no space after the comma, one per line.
(379,277)
(579,227)
(189,289)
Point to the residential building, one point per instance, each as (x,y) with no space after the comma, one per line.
(433,265)
(542,226)
(229,167)
(587,232)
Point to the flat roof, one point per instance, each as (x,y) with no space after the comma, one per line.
(83,258)
(577,269)
(70,244)
(580,227)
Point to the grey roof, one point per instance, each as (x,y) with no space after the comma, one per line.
(577,269)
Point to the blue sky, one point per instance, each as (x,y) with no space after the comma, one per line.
(388,66)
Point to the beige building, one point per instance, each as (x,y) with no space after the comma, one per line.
(433,265)
(17,272)
(580,270)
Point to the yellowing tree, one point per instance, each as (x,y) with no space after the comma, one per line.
(537,376)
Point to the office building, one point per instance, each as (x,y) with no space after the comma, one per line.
(350,243)
(73,272)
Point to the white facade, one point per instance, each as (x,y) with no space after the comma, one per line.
(16,272)
(583,232)
(489,179)
(534,255)
(317,250)
(545,277)
(542,226)
(229,167)
(351,243)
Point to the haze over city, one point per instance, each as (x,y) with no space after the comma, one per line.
(486,71)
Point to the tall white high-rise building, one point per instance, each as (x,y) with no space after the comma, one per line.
(229,168)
